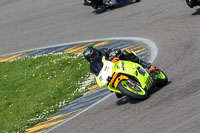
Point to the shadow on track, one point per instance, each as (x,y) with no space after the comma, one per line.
(126,100)
(99,11)
(197,12)
(155,89)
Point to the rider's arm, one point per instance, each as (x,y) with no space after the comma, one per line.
(105,52)
(110,53)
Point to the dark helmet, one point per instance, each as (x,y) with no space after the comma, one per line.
(90,53)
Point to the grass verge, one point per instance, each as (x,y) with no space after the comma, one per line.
(35,87)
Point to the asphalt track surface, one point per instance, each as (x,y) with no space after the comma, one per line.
(174,27)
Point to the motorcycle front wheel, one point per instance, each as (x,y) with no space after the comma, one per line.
(133,91)
(162,79)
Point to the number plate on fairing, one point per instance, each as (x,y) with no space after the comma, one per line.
(105,72)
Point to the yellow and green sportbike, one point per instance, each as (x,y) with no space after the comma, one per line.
(127,78)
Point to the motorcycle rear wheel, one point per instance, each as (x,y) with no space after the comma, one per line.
(132,91)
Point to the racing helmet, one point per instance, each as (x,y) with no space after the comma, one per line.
(91,53)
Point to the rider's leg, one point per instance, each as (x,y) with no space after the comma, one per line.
(128,55)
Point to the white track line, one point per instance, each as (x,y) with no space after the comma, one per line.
(152,47)
(79,113)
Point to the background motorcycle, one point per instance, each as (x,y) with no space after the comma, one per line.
(193,3)
(105,4)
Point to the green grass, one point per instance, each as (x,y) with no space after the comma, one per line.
(33,88)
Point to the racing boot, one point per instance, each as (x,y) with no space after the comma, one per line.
(118,95)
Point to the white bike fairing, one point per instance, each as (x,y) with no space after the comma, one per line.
(106,71)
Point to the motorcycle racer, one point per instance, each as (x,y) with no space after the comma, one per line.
(94,56)
(91,53)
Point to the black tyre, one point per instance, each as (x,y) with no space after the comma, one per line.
(87,2)
(132,91)
(162,80)
(191,3)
